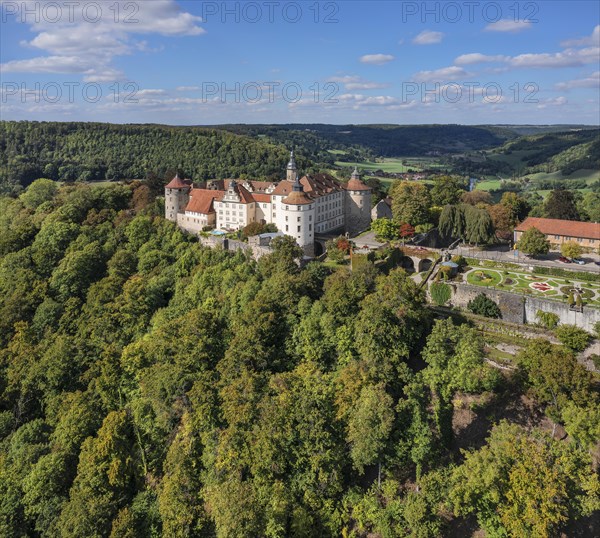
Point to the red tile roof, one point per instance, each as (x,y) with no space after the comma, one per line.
(245,195)
(320,184)
(201,200)
(565,228)
(259,197)
(177,183)
(284,187)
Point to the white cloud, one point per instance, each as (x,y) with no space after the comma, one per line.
(357,101)
(48,64)
(150,92)
(566,58)
(556,101)
(592,40)
(354,82)
(442,75)
(187,88)
(376,59)
(592,81)
(477,58)
(65,65)
(428,37)
(76,45)
(507,25)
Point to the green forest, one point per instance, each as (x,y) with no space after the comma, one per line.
(71,152)
(151,387)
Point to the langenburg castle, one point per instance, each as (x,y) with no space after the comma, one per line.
(299,207)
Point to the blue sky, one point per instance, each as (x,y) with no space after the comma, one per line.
(192,62)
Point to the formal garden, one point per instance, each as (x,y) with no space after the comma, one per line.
(548,286)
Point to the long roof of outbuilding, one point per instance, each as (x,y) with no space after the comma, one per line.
(565,228)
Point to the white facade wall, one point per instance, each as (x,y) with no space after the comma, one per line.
(194,222)
(264,211)
(234,214)
(330,212)
(298,222)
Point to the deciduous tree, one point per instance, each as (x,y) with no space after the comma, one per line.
(410,202)
(533,242)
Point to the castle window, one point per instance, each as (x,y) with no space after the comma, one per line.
(286,218)
(299,228)
(287,228)
(310,217)
(310,227)
(298,219)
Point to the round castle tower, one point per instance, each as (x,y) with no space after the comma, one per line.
(358,204)
(299,209)
(177,196)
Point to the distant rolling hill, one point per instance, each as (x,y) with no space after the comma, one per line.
(380,140)
(565,151)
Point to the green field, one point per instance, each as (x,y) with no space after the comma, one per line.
(488,185)
(395,165)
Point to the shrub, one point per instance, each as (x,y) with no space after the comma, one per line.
(440,293)
(482,305)
(459,260)
(445,272)
(547,319)
(595,358)
(559,271)
(597,329)
(573,337)
(257,228)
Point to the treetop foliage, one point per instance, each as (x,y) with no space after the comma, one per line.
(153,387)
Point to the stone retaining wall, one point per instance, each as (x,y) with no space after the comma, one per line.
(521,309)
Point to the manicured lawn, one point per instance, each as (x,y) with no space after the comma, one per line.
(484,278)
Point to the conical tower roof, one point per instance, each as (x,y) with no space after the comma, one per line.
(355,183)
(177,183)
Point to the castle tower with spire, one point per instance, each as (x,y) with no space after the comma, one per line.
(292,171)
(358,204)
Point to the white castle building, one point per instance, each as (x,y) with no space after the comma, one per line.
(301,207)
